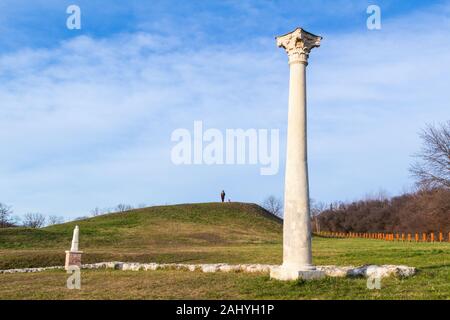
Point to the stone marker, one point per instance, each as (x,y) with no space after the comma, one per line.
(73,256)
(297,256)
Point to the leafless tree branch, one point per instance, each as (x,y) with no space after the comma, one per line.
(432,169)
(274,205)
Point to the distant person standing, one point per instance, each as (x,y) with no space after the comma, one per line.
(222,195)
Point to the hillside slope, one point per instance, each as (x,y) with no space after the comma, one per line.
(185,232)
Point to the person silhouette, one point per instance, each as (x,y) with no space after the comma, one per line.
(222,195)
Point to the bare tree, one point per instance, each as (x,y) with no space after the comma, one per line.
(316,208)
(96,212)
(5,216)
(274,205)
(432,170)
(34,220)
(52,220)
(123,207)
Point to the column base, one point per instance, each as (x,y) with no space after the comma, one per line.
(73,258)
(304,273)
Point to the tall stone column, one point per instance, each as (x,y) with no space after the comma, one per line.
(297,257)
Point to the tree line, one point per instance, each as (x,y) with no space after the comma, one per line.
(39,220)
(426,210)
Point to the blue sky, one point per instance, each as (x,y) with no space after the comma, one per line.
(86,115)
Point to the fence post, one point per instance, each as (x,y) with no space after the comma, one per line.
(432,237)
(417,237)
(409,237)
(424,237)
(440,237)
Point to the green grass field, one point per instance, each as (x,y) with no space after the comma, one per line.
(206,233)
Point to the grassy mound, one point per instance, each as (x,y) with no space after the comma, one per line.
(148,234)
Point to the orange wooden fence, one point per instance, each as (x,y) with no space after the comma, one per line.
(405,237)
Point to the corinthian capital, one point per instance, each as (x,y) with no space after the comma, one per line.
(298,45)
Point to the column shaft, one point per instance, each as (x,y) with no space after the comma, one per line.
(296,230)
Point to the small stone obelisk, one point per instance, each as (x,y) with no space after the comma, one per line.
(73,256)
(297,257)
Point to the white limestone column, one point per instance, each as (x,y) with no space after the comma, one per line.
(297,257)
(73,256)
(75,239)
(296,227)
